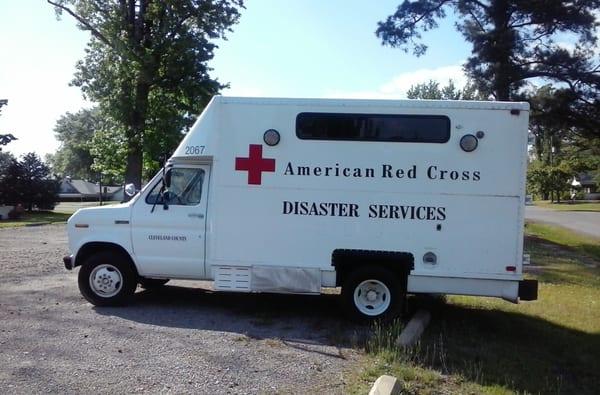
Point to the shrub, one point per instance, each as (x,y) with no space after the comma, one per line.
(16,212)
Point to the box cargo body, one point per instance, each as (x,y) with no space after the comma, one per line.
(295,194)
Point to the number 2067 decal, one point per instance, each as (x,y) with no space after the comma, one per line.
(194,149)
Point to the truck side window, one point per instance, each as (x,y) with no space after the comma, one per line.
(185,189)
(373,127)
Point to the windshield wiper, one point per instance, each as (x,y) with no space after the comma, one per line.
(160,193)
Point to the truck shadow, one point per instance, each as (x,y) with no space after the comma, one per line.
(300,320)
(491,347)
(516,351)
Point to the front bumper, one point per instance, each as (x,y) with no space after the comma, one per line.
(528,290)
(68,261)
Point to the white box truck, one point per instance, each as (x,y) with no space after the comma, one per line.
(380,198)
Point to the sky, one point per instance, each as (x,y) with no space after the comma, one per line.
(291,48)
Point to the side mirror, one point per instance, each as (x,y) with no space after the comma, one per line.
(130,190)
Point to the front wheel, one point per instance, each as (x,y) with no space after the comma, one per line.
(107,279)
(373,293)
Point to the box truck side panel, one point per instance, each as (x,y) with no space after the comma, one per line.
(421,198)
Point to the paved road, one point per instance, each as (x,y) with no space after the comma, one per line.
(579,221)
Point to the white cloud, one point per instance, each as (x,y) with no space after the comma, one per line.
(400,84)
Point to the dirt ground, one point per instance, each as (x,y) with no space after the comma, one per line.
(182,338)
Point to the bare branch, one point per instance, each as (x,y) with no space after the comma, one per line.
(477,21)
(116,46)
(85,23)
(431,11)
(480,4)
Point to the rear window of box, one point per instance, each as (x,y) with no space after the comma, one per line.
(373,127)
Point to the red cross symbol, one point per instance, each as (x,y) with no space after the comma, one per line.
(255,164)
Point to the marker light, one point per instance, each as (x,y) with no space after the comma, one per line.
(468,143)
(271,137)
(430,258)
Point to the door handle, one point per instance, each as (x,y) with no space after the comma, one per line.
(196,215)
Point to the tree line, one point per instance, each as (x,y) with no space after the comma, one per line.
(517,54)
(146,68)
(27,181)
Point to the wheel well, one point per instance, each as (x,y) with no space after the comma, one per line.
(89,249)
(345,261)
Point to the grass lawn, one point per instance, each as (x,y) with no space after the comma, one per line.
(36,217)
(568,206)
(486,345)
(564,239)
(60,214)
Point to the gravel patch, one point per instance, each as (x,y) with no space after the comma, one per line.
(182,338)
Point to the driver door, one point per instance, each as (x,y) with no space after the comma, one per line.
(168,225)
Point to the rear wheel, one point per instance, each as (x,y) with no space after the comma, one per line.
(373,293)
(107,279)
(152,283)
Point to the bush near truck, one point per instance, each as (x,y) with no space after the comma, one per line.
(25,184)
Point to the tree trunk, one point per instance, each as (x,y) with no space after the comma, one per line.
(133,168)
(137,119)
(135,149)
(503,42)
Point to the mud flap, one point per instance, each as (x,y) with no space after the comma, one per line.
(528,290)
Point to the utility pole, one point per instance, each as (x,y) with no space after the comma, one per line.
(100,187)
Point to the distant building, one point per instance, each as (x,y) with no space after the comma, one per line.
(589,186)
(81,190)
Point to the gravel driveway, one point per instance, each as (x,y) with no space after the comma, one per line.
(181,338)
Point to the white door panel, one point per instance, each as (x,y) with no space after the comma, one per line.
(171,241)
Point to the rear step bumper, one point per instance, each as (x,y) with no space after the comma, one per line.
(528,290)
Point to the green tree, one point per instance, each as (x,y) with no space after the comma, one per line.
(11,191)
(548,131)
(37,187)
(558,139)
(432,90)
(5,138)
(146,65)
(583,155)
(28,182)
(5,159)
(549,181)
(512,41)
(75,132)
(109,151)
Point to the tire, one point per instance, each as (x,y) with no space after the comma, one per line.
(373,293)
(152,283)
(107,278)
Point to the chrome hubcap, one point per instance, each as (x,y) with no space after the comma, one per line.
(372,297)
(106,280)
